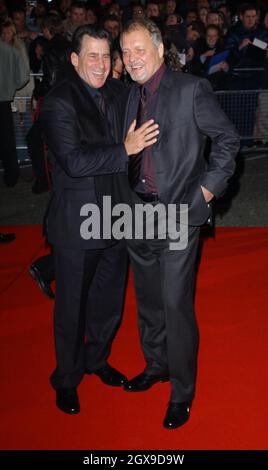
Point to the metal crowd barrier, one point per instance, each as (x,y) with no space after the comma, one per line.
(22,108)
(22,124)
(248,111)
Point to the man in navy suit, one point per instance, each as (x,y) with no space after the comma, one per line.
(173,171)
(81,122)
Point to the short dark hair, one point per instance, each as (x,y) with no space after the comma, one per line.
(216,28)
(78,4)
(53,23)
(197,26)
(90,30)
(110,18)
(246,7)
(18,9)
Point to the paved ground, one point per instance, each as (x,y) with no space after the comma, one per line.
(245,204)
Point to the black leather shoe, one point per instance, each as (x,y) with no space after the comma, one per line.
(109,376)
(43,284)
(177,414)
(67,400)
(7,237)
(143,382)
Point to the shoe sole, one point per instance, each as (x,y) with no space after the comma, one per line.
(35,277)
(31,271)
(75,412)
(176,426)
(165,379)
(103,381)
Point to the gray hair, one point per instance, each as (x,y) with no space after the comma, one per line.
(146,24)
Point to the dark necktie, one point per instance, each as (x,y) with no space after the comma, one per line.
(134,166)
(106,110)
(100,102)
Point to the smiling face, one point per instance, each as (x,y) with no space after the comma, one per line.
(171,20)
(212,36)
(141,57)
(93,62)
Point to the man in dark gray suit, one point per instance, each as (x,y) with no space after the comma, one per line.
(81,120)
(172,171)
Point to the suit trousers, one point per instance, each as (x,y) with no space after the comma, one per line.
(35,144)
(164,283)
(90,287)
(8,151)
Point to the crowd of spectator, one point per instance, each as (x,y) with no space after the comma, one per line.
(216,39)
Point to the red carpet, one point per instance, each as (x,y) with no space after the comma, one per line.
(230,409)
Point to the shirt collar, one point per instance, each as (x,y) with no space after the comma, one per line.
(153,83)
(94,92)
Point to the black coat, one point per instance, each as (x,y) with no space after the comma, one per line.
(187,112)
(85,155)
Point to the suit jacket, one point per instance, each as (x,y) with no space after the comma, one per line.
(83,149)
(188,112)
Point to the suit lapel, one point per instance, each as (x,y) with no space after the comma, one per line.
(130,113)
(162,105)
(110,118)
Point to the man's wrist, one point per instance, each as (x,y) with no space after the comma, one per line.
(208,195)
